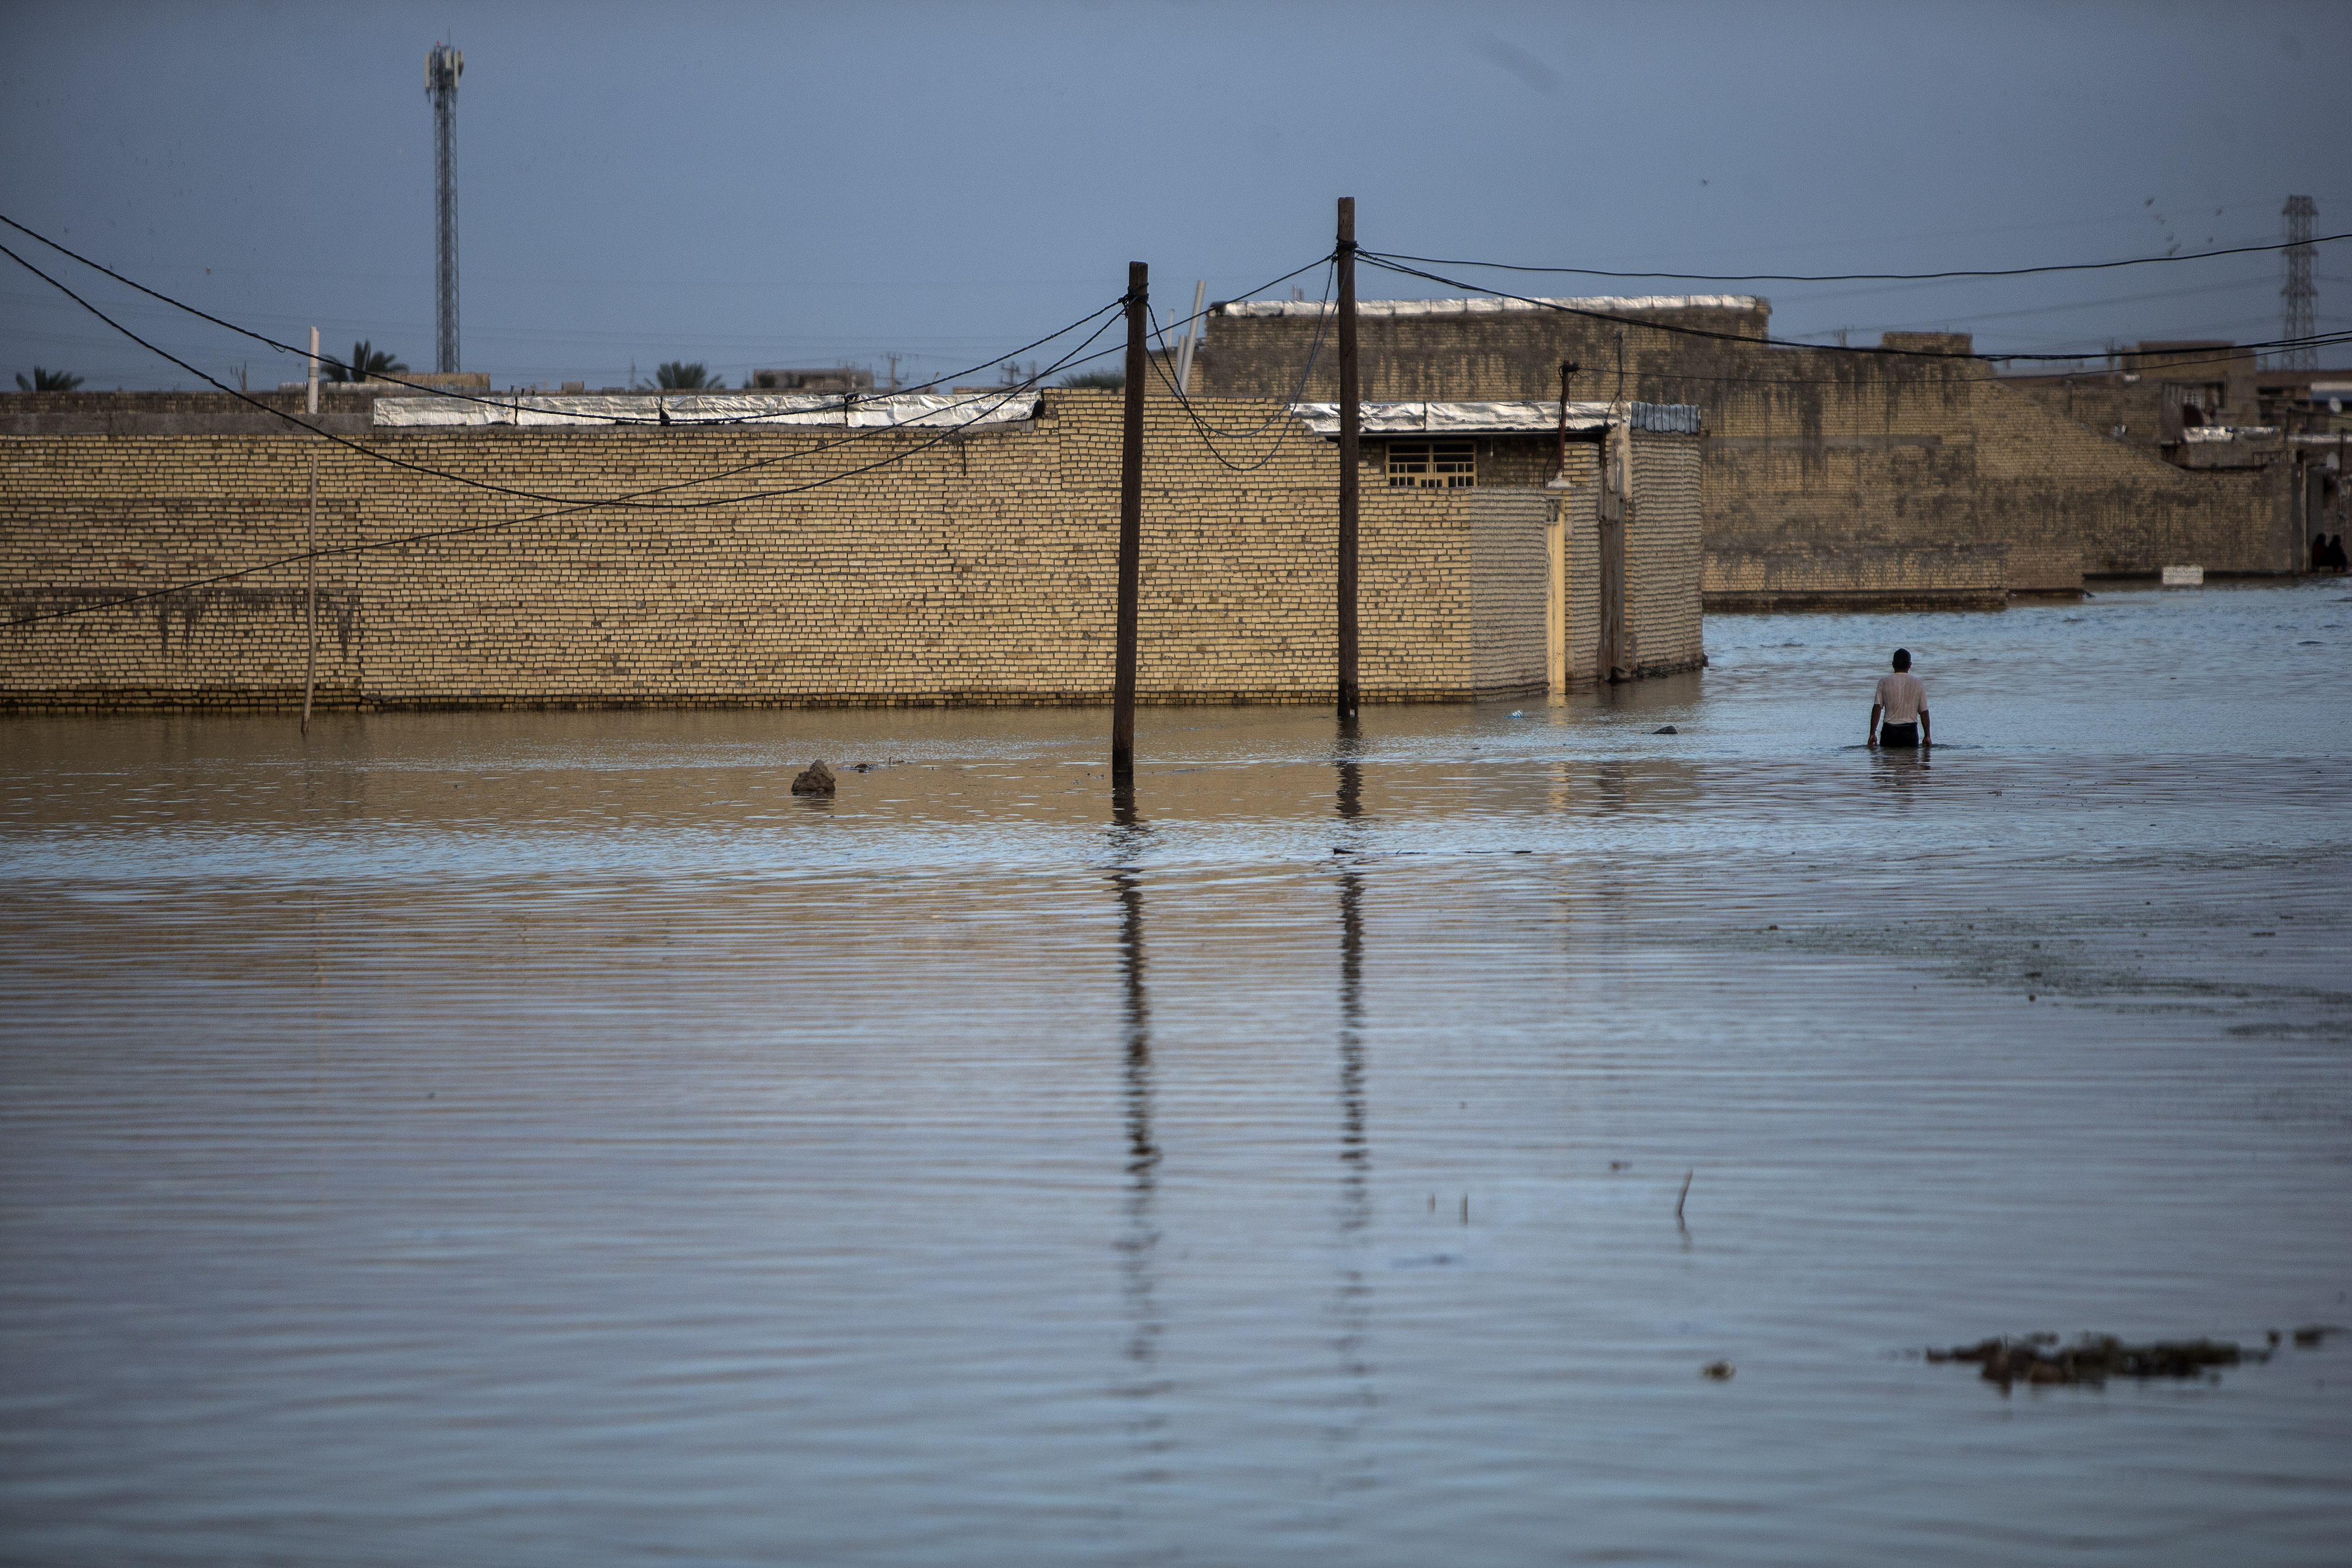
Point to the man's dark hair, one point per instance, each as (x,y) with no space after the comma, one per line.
(1902,658)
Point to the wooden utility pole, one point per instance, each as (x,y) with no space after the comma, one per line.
(1131,533)
(310,595)
(310,553)
(1559,465)
(1351,437)
(1616,481)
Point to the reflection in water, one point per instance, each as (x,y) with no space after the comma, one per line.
(1353,1153)
(1352,1301)
(1610,782)
(1140,1242)
(692,1165)
(1899,767)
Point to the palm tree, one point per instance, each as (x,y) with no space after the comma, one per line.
(367,360)
(687,375)
(47,381)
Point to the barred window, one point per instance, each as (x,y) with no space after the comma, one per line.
(1432,464)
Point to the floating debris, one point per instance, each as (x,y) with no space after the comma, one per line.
(2038,1359)
(1666,729)
(2312,1334)
(1721,1371)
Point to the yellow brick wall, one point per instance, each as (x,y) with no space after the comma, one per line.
(1510,588)
(980,569)
(1664,629)
(1828,476)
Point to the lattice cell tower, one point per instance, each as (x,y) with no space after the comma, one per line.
(443,66)
(2298,294)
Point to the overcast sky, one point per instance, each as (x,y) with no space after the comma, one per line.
(777,186)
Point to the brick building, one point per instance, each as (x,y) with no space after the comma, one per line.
(957,561)
(1907,474)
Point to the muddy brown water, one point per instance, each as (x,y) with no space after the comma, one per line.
(540,1139)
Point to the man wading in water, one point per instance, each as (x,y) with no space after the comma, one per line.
(1904,701)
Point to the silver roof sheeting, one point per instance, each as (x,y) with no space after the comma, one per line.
(1608,303)
(2201,434)
(1498,418)
(914,411)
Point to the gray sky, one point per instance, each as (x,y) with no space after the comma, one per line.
(771,185)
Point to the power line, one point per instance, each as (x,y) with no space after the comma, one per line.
(1855,277)
(1208,432)
(1680,330)
(459,396)
(413,386)
(2170,363)
(2192,289)
(566,510)
(507,490)
(386,457)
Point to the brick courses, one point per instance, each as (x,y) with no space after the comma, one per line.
(978,569)
(1829,477)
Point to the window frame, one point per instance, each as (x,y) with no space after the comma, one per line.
(1431,463)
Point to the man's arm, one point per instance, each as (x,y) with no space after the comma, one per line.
(1876,709)
(1926,736)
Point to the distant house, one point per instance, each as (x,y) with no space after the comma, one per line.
(1906,473)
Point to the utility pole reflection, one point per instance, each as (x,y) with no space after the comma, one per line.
(1139,1245)
(1353,1153)
(1352,1301)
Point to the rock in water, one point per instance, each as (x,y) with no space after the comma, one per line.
(1667,729)
(816,781)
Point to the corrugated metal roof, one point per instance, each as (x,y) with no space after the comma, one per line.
(917,411)
(1531,418)
(1611,304)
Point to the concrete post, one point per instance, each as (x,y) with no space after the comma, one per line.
(1192,336)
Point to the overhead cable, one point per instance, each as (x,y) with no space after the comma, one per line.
(1770,343)
(1209,433)
(485,485)
(491,401)
(1855,276)
(564,505)
(429,535)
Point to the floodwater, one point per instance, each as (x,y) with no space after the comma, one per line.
(540,1139)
